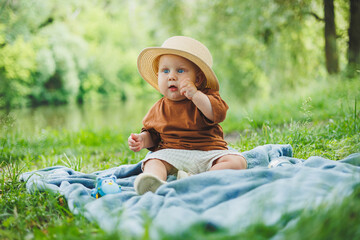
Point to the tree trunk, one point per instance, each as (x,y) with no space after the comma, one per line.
(331,55)
(354,37)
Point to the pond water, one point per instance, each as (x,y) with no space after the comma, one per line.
(125,117)
(118,115)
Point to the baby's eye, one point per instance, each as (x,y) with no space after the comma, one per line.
(166,70)
(181,70)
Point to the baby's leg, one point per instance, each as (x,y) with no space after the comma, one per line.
(159,168)
(229,161)
(154,175)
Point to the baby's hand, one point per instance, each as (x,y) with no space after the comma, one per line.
(188,88)
(136,142)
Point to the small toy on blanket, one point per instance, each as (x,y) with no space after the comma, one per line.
(105,185)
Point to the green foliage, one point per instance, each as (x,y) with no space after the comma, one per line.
(17,61)
(61,61)
(77,50)
(61,52)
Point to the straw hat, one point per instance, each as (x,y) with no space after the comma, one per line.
(186,47)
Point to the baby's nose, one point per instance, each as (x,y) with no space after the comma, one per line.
(171,76)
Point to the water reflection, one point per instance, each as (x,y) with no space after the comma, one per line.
(117,115)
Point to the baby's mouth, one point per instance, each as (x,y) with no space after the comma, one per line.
(173,88)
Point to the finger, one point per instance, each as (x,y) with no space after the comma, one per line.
(188,88)
(182,91)
(185,83)
(135,137)
(135,149)
(134,144)
(131,141)
(185,92)
(187,80)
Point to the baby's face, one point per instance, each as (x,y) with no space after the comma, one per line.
(172,70)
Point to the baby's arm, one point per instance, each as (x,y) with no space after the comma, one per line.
(139,141)
(201,101)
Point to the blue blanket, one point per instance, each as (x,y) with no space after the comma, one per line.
(227,199)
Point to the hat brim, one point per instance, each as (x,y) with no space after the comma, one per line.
(149,55)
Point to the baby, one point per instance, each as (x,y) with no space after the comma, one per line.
(182,129)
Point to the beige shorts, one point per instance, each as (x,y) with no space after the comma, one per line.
(190,161)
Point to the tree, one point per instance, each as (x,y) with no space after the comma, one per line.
(354,37)
(332,59)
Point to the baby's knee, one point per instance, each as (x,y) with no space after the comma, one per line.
(157,163)
(242,161)
(237,161)
(151,162)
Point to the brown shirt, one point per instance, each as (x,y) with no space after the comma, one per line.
(181,125)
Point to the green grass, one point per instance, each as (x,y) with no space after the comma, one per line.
(320,120)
